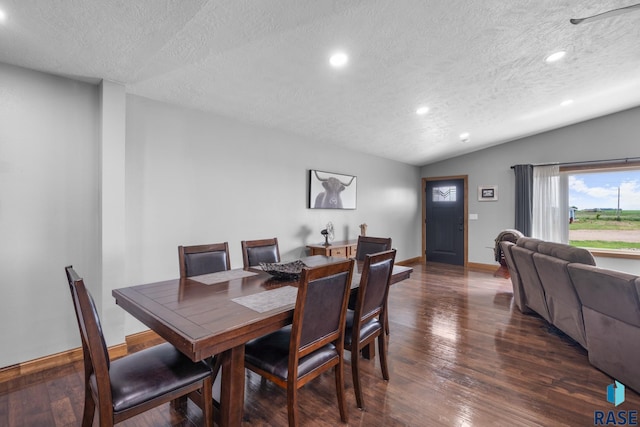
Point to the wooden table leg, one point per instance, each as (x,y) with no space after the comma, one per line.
(232,391)
(369,351)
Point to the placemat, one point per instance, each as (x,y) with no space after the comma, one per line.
(223,276)
(269,300)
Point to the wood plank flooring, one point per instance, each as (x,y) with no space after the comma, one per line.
(460,354)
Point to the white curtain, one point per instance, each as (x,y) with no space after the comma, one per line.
(550,204)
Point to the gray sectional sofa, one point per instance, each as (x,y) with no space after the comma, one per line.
(597,307)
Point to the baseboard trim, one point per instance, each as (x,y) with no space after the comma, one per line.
(133,343)
(487,268)
(410,261)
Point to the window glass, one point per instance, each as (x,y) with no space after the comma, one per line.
(604,209)
(444,194)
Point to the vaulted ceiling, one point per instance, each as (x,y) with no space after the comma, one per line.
(479,66)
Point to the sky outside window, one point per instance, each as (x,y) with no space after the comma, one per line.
(600,190)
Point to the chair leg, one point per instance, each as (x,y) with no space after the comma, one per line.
(382,349)
(386,323)
(207,402)
(355,373)
(179,404)
(89,409)
(292,405)
(342,403)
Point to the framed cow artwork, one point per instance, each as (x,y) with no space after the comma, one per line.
(328,190)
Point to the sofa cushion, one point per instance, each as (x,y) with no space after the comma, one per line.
(566,252)
(529,243)
(565,309)
(518,292)
(611,309)
(533,290)
(613,293)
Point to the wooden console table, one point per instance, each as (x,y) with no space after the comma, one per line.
(344,249)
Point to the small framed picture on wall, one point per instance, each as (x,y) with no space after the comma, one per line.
(487,193)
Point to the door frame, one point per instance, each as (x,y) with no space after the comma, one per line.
(465,179)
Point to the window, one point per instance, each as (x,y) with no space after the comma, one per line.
(444,194)
(604,208)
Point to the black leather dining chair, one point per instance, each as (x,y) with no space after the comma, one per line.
(371,245)
(256,251)
(203,259)
(313,344)
(365,323)
(135,383)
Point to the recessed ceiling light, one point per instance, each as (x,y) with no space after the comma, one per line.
(464,137)
(3,16)
(566,102)
(422,111)
(555,56)
(338,59)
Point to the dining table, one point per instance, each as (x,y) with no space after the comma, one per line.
(217,313)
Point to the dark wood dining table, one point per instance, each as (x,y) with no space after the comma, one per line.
(207,315)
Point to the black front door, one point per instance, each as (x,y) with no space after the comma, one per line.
(444,221)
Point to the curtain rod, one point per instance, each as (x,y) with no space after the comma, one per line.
(588,162)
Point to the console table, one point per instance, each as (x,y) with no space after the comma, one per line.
(343,249)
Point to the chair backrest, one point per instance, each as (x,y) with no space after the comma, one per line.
(374,288)
(371,245)
(92,336)
(320,311)
(203,259)
(256,251)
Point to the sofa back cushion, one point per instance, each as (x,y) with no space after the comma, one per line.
(529,243)
(533,290)
(565,309)
(566,252)
(613,293)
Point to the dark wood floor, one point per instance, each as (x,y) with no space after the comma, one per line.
(460,354)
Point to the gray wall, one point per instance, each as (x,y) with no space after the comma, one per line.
(190,178)
(609,137)
(49,208)
(194,178)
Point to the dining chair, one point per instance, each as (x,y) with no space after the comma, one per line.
(137,382)
(371,245)
(256,251)
(203,259)
(314,342)
(365,323)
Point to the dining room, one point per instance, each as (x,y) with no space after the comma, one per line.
(99,173)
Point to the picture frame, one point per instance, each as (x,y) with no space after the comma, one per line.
(330,190)
(487,193)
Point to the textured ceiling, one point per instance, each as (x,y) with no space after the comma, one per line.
(478,65)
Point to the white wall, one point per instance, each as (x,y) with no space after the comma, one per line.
(195,178)
(48,208)
(608,137)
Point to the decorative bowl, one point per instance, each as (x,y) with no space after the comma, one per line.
(288,270)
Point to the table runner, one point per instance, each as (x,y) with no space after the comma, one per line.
(269,300)
(222,276)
